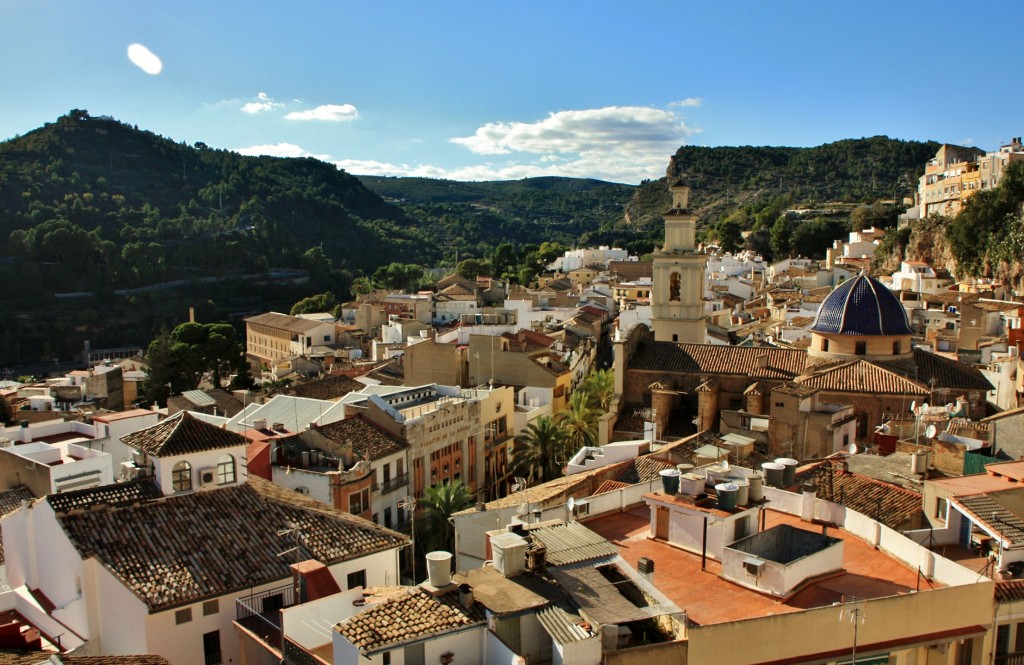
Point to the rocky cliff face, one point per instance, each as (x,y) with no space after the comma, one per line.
(928,242)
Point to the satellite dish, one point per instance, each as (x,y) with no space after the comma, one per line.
(930,431)
(913,405)
(951,407)
(571,503)
(725,465)
(852,449)
(924,407)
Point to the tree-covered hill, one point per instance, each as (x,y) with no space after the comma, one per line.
(474,217)
(725,179)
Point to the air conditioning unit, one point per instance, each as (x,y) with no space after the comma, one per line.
(138,457)
(580,508)
(753,566)
(302,490)
(207,476)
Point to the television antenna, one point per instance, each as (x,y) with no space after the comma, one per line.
(518,488)
(853,612)
(408,505)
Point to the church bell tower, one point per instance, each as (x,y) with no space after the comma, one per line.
(678,299)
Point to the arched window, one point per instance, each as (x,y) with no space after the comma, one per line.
(673,287)
(226,470)
(181,477)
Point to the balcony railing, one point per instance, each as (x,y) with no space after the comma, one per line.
(260,613)
(1010,658)
(393,484)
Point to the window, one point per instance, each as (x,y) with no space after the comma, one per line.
(181,477)
(387,517)
(895,348)
(860,348)
(675,337)
(211,607)
(941,509)
(327,338)
(183,616)
(357,579)
(824,344)
(225,470)
(386,658)
(359,502)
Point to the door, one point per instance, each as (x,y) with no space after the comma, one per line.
(661,523)
(211,648)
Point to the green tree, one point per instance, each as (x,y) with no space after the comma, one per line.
(878,215)
(730,234)
(600,389)
(579,421)
(321,302)
(782,232)
(435,530)
(181,359)
(538,450)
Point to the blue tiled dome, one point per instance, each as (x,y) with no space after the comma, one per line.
(861,306)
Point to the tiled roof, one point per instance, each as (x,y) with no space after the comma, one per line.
(284,322)
(609,486)
(192,547)
(756,362)
(643,470)
(329,388)
(631,270)
(118,494)
(407,617)
(1009,591)
(10,500)
(182,434)
(891,505)
(389,373)
(862,306)
(796,389)
(860,376)
(999,512)
(366,438)
(927,367)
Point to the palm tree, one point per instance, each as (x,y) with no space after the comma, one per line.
(439,503)
(600,386)
(539,449)
(579,421)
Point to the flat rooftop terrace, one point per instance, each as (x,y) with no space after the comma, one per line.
(709,598)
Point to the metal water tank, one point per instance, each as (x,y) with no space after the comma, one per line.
(726,496)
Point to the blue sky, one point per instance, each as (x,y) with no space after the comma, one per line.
(488,91)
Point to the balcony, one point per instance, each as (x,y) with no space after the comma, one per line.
(1016,658)
(260,613)
(389,486)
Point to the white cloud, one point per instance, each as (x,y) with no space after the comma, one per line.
(262,103)
(327,112)
(692,102)
(145,59)
(619,143)
(280,150)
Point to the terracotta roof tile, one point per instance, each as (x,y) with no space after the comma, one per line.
(891,505)
(187,548)
(860,376)
(757,362)
(366,438)
(10,500)
(643,470)
(610,486)
(403,618)
(330,387)
(1009,591)
(182,434)
(284,322)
